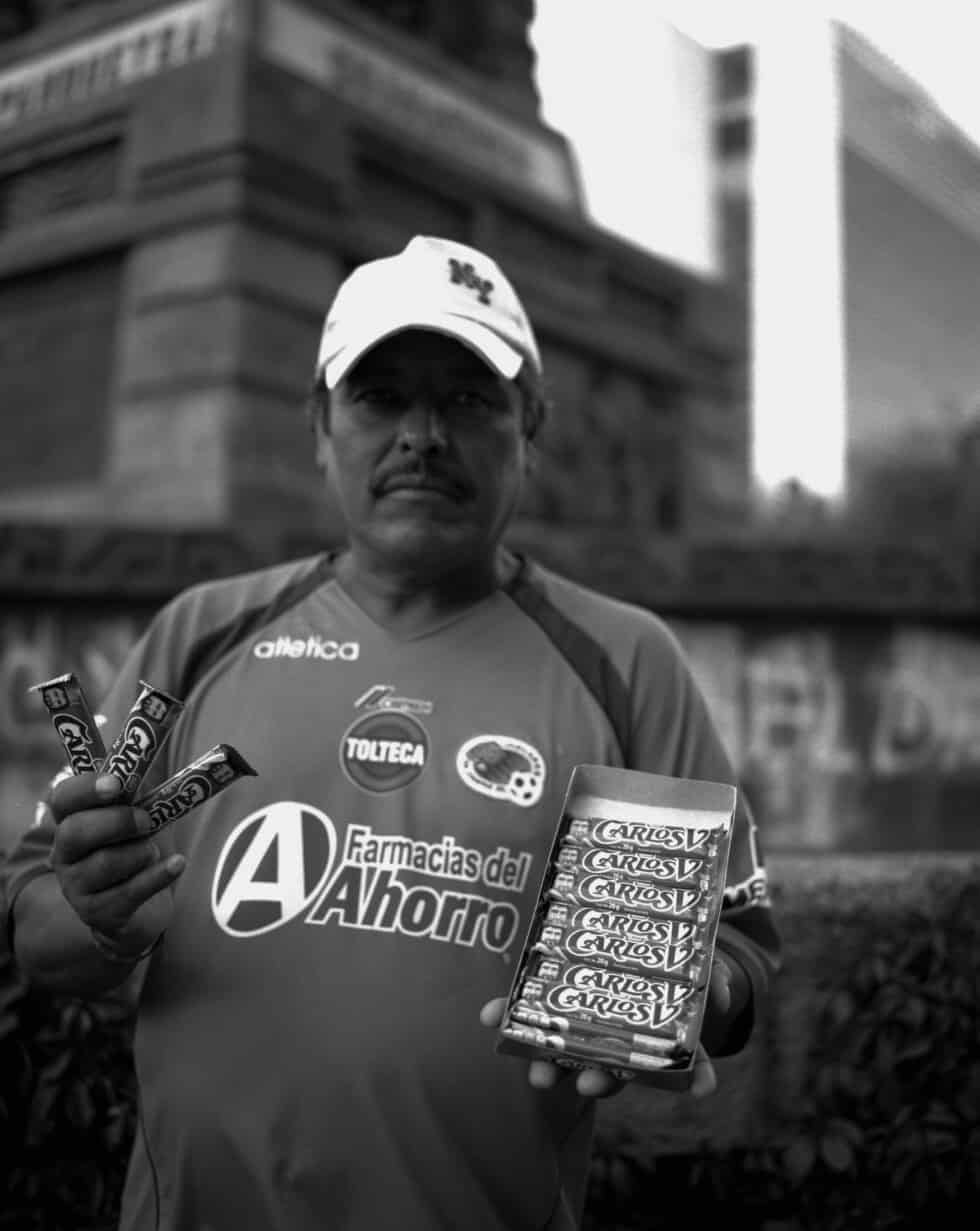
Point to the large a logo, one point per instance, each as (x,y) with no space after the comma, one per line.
(272,867)
(285,861)
(503,768)
(387,747)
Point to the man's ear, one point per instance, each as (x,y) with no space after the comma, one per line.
(323,449)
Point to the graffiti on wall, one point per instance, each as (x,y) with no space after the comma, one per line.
(846,737)
(843,736)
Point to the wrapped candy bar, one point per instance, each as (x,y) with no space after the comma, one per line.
(685,960)
(621,923)
(582,1052)
(598,889)
(200,780)
(144,732)
(634,865)
(64,699)
(672,1038)
(630,834)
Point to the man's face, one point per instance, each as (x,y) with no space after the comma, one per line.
(425,449)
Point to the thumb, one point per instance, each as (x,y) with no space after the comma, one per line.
(720,988)
(492,1013)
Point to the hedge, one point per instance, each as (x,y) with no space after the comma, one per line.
(881,1131)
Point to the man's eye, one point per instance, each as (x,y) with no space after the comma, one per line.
(470,399)
(377,396)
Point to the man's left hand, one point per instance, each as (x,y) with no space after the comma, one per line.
(596,1083)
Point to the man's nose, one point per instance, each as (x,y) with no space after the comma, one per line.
(422,431)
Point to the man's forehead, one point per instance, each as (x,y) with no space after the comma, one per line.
(423,349)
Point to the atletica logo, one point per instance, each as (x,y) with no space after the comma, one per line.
(308,647)
(387,747)
(285,861)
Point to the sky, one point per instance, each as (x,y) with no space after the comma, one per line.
(603,68)
(935,43)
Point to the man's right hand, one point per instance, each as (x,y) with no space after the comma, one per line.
(118,882)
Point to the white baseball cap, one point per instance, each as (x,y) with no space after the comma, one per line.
(431,284)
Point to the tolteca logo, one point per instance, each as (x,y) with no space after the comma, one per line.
(387,747)
(503,768)
(285,861)
(309,647)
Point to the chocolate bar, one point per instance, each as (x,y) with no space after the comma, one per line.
(648,928)
(635,865)
(672,1039)
(599,889)
(610,996)
(64,699)
(637,835)
(144,732)
(610,1054)
(686,960)
(199,781)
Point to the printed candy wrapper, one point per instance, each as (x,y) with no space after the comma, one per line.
(672,1040)
(681,960)
(615,966)
(201,780)
(645,835)
(621,923)
(639,897)
(634,865)
(578,1052)
(144,732)
(64,699)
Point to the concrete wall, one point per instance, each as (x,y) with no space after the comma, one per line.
(847,738)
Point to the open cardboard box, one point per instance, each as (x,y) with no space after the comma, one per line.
(649,801)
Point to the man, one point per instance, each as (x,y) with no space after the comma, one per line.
(316,947)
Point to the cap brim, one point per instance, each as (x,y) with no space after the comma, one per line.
(485,344)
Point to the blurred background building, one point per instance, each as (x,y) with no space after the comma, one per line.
(884,281)
(184,183)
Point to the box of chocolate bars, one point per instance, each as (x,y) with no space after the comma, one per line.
(616,961)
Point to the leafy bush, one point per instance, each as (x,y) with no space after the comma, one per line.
(888,1131)
(886,1135)
(67,1109)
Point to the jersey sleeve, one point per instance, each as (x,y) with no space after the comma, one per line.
(151,661)
(672,731)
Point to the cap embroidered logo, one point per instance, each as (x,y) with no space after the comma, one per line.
(463,273)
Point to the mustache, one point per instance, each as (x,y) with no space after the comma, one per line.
(419,472)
